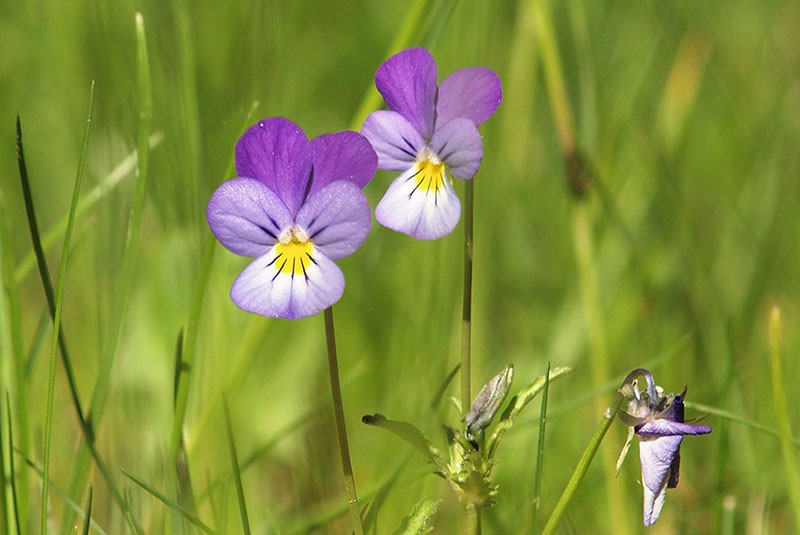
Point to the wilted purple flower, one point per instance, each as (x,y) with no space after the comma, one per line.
(296,207)
(427,128)
(658,420)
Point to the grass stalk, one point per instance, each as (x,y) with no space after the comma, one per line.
(341,428)
(782,413)
(62,276)
(537,479)
(583,465)
(237,474)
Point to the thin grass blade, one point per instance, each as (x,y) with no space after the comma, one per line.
(237,475)
(11,471)
(173,505)
(537,478)
(62,275)
(87,520)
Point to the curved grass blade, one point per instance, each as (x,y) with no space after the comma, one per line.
(537,478)
(407,432)
(98,193)
(87,521)
(188,515)
(62,275)
(237,475)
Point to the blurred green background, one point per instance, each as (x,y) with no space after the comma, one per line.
(688,114)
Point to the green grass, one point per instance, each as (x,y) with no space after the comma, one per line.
(686,114)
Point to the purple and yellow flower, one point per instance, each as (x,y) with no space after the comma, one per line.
(428,129)
(295,207)
(659,422)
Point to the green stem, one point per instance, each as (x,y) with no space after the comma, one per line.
(582,467)
(466,330)
(341,428)
(473,519)
(782,413)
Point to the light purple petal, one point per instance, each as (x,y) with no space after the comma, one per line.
(407,82)
(342,156)
(394,139)
(656,455)
(246,216)
(275,151)
(337,219)
(411,208)
(473,93)
(459,145)
(263,289)
(664,427)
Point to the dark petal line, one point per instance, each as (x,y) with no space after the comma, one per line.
(415,174)
(311,258)
(279,270)
(274,259)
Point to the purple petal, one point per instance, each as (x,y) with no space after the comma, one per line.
(473,93)
(413,207)
(394,139)
(458,144)
(246,216)
(342,156)
(662,427)
(656,455)
(407,82)
(265,288)
(275,151)
(337,219)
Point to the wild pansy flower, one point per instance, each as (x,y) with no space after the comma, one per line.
(426,130)
(658,421)
(296,206)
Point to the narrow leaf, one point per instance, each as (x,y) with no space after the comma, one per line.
(237,475)
(418,521)
(407,432)
(188,515)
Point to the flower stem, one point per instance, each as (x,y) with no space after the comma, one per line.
(466,329)
(582,467)
(473,519)
(341,429)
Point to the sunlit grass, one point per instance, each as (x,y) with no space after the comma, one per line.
(686,115)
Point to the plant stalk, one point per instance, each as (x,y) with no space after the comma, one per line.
(466,316)
(341,428)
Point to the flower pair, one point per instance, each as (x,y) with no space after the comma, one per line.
(298,205)
(658,420)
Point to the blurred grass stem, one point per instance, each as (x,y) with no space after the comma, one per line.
(582,467)
(341,428)
(782,413)
(466,316)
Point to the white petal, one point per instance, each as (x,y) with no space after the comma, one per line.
(271,288)
(421,203)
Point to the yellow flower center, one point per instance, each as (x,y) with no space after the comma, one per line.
(294,252)
(430,172)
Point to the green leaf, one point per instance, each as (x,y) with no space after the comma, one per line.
(418,521)
(407,432)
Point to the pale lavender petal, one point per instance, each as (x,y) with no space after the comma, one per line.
(407,82)
(656,454)
(394,139)
(415,209)
(342,156)
(458,144)
(473,93)
(275,151)
(337,219)
(664,427)
(246,216)
(265,288)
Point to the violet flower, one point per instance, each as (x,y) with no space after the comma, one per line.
(426,129)
(296,207)
(659,422)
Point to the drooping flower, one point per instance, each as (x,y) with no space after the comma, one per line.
(658,420)
(295,207)
(427,130)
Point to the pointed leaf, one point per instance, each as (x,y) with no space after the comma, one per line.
(407,432)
